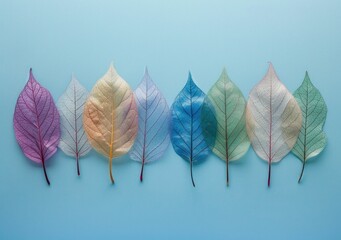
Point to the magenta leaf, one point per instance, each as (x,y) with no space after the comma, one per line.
(36,123)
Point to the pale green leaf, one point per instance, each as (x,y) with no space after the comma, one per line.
(231,140)
(311,140)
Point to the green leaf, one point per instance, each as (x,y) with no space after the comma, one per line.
(311,140)
(231,140)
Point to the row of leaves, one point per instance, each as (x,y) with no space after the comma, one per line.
(114,121)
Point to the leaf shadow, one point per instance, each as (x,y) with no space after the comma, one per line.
(243,160)
(121,160)
(200,162)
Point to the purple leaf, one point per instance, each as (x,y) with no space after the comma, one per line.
(36,123)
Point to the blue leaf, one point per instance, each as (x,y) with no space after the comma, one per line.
(187,135)
(153,134)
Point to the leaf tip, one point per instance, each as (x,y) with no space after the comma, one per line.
(271,66)
(224,75)
(146,74)
(146,78)
(73,82)
(31,73)
(307,76)
(31,76)
(112,68)
(190,78)
(224,72)
(307,80)
(271,72)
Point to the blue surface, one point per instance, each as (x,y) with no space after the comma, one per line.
(58,38)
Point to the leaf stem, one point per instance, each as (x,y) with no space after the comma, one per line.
(42,155)
(141,175)
(77,161)
(144,131)
(45,173)
(301,175)
(269,173)
(191,169)
(226,138)
(76,127)
(305,135)
(270,126)
(191,157)
(110,171)
(227,172)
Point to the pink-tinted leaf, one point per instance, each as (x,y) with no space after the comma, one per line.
(36,123)
(273,119)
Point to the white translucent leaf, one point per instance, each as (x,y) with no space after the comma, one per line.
(73,140)
(152,138)
(273,119)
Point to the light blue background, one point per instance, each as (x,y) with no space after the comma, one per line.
(58,38)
